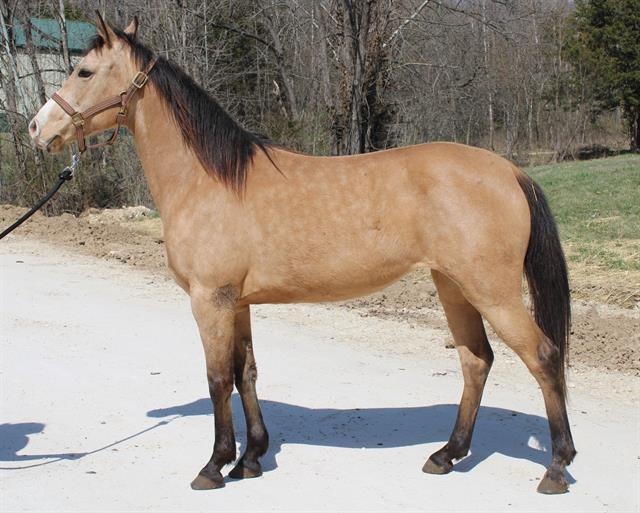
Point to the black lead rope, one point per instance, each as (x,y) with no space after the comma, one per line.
(64,176)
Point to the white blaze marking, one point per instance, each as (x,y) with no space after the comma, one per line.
(43,114)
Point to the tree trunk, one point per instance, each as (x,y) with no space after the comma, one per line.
(634,129)
(290,102)
(360,50)
(13,91)
(485,45)
(42,95)
(62,22)
(331,99)
(357,25)
(33,58)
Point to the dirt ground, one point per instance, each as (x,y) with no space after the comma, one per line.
(604,336)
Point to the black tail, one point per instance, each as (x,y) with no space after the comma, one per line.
(546,272)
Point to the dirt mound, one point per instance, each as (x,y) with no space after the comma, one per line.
(115,215)
(603,336)
(95,232)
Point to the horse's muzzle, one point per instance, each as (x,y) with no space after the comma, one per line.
(53,145)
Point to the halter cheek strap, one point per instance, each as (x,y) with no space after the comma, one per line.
(122,100)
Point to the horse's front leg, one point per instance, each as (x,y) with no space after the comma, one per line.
(214,311)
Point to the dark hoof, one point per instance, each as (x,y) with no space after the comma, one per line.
(550,486)
(245,471)
(206,483)
(431,467)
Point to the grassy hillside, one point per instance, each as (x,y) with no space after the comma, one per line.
(597,206)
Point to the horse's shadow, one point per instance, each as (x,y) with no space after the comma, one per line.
(514,434)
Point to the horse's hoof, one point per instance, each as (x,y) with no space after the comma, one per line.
(431,467)
(244,471)
(550,486)
(206,483)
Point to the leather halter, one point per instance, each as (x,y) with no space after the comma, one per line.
(122,100)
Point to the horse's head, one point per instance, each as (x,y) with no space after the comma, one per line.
(104,72)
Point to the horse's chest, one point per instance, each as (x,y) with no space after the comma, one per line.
(204,259)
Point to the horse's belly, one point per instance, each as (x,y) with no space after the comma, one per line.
(332,279)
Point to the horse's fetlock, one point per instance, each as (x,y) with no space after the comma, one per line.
(565,453)
(224,452)
(458,447)
(259,438)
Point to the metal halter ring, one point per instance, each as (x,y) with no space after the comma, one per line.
(140,79)
(77,119)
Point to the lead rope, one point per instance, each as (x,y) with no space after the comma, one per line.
(65,175)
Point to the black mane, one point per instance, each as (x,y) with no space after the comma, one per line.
(224,148)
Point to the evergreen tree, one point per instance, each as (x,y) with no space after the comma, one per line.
(606,43)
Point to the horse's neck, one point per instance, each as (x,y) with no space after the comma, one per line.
(165,158)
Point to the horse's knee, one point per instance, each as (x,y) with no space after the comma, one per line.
(220,383)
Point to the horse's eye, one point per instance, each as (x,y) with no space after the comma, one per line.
(85,73)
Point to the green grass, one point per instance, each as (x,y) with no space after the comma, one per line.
(597,206)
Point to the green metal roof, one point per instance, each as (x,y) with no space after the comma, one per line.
(4,124)
(79,34)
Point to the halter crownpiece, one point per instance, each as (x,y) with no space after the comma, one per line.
(123,99)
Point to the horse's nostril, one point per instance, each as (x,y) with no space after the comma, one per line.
(33,128)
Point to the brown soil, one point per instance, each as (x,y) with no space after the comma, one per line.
(603,336)
(113,235)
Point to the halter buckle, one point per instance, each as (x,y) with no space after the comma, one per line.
(77,119)
(140,79)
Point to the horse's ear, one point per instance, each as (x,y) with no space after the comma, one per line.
(105,31)
(132,28)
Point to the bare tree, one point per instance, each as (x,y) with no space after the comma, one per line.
(11,84)
(58,10)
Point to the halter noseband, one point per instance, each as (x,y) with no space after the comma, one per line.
(122,100)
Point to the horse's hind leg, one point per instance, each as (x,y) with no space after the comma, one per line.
(246,374)
(476,358)
(515,326)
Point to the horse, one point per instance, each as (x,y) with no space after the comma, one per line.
(247,221)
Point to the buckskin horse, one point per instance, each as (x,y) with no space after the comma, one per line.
(248,222)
